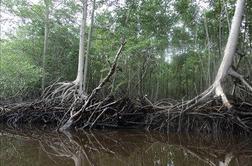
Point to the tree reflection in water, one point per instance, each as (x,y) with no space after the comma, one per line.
(41,147)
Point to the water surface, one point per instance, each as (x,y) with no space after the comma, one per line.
(34,147)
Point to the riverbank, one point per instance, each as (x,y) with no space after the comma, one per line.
(126,113)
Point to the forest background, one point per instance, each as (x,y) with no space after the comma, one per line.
(173,48)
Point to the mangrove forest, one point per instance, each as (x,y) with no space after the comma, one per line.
(83,73)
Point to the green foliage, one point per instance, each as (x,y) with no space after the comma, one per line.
(17,73)
(166,54)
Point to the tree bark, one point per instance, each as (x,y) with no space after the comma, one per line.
(229,52)
(76,116)
(226,63)
(88,48)
(46,32)
(80,74)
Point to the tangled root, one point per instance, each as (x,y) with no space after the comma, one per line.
(64,92)
(209,117)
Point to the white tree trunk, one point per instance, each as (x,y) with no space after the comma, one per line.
(226,63)
(88,48)
(79,78)
(229,52)
(46,32)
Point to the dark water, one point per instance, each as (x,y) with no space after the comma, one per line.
(33,147)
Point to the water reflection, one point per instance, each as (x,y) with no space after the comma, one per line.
(114,148)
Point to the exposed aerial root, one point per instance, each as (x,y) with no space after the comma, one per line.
(73,107)
(63,92)
(211,116)
(209,112)
(226,64)
(215,91)
(240,77)
(110,112)
(113,112)
(77,115)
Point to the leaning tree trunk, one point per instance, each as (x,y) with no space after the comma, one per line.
(226,63)
(75,116)
(225,66)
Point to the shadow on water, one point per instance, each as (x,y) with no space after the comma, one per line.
(35,147)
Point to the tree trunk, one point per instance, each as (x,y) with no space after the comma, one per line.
(76,116)
(88,48)
(226,63)
(208,51)
(80,74)
(46,32)
(229,52)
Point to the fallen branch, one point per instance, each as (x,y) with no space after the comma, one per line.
(75,117)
